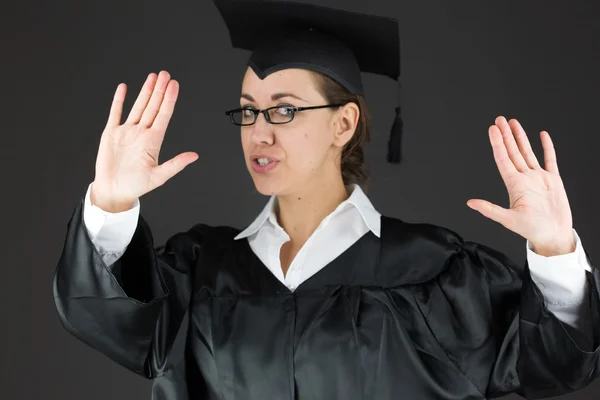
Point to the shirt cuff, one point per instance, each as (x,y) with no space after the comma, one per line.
(562,278)
(110,232)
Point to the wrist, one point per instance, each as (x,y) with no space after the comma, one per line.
(109,203)
(565,245)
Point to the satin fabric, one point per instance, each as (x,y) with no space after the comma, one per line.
(417,314)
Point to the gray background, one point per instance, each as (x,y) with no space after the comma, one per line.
(463,64)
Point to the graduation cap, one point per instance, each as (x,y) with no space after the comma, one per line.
(337,43)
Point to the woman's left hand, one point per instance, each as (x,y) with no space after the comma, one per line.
(539,208)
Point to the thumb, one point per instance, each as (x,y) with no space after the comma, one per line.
(492,211)
(172,167)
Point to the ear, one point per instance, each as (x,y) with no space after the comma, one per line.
(345,123)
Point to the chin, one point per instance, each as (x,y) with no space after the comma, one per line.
(277,182)
(270,184)
(267,185)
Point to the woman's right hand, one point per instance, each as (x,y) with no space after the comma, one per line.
(127,162)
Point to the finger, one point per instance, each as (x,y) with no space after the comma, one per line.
(511,145)
(166,108)
(169,169)
(524,144)
(505,165)
(492,211)
(116,109)
(549,153)
(142,100)
(155,101)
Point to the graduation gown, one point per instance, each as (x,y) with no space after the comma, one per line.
(419,313)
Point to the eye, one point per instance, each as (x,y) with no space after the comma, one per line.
(285,109)
(248,111)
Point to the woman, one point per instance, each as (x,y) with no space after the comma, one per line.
(321,297)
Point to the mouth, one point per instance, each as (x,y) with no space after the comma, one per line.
(262,160)
(263,164)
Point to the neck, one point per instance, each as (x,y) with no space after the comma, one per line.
(301,212)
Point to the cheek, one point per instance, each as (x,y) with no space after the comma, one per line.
(306,151)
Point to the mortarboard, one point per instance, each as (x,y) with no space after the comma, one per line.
(337,43)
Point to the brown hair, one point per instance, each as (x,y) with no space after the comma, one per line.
(353,160)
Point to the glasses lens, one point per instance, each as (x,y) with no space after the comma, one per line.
(281,115)
(243,117)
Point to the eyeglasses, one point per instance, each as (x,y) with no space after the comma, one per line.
(274,115)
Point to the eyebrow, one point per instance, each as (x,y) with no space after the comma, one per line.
(274,97)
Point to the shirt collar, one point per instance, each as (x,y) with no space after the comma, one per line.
(358,199)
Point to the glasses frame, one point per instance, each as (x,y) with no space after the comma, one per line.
(265,113)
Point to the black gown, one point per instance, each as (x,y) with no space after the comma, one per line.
(417,314)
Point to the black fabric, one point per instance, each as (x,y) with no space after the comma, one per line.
(419,314)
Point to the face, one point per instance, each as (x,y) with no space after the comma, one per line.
(305,151)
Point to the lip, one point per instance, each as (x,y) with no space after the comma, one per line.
(256,157)
(256,167)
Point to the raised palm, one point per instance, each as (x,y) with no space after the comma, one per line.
(127,162)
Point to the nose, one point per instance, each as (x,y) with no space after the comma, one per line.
(262,131)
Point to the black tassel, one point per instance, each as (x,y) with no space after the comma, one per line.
(394,155)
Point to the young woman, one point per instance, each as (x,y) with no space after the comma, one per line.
(321,297)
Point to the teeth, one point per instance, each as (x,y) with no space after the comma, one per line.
(264,161)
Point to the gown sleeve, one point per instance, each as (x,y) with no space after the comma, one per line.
(492,321)
(132,310)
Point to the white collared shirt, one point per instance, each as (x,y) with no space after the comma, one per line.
(561,279)
(353,218)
